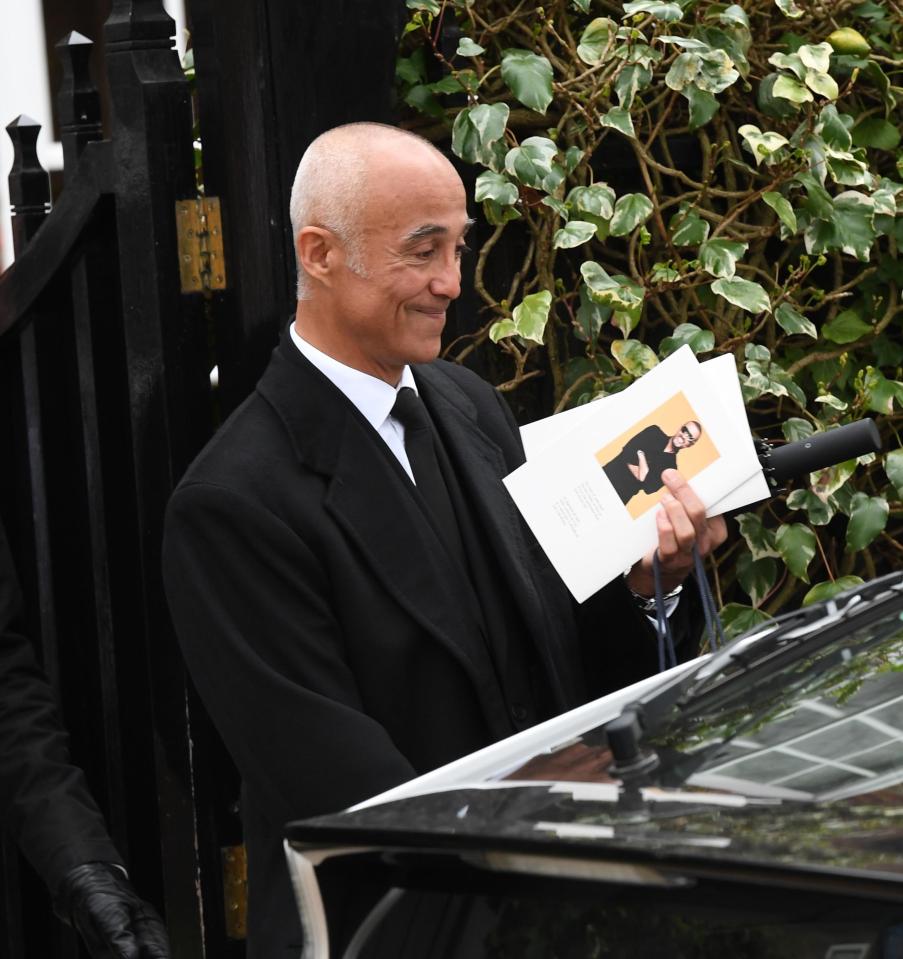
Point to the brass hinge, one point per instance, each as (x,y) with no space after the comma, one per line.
(235,891)
(202,265)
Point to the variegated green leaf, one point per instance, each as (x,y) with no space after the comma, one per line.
(831,588)
(781,206)
(529,77)
(634,356)
(630,211)
(747,294)
(528,319)
(655,8)
(756,576)
(719,257)
(469,48)
(597,41)
(796,543)
(763,146)
(618,118)
(759,538)
(573,234)
(867,519)
(793,322)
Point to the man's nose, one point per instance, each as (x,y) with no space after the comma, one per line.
(446,282)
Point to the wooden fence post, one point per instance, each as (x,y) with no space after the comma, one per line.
(29,191)
(78,102)
(29,183)
(165,343)
(91,276)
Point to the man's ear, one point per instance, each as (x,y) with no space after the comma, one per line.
(319,252)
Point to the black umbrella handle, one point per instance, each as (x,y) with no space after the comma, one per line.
(787,462)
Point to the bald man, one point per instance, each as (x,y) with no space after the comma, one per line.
(356,596)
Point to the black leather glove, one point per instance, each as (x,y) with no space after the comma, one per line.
(99,901)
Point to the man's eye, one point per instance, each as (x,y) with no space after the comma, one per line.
(462,250)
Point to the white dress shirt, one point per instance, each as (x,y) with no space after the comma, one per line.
(373,397)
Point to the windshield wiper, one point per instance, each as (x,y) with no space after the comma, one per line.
(810,627)
(804,627)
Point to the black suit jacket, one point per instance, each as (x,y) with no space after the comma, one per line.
(44,799)
(322,619)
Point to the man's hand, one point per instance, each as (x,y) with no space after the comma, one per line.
(640,469)
(682,524)
(99,901)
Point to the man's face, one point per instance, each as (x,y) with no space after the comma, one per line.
(413,221)
(686,436)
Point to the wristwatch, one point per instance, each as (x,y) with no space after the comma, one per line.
(647,603)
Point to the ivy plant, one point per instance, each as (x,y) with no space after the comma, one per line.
(728,176)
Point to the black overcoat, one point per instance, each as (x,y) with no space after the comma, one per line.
(320,617)
(44,799)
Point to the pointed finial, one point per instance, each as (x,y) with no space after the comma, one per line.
(29,184)
(74,39)
(22,120)
(77,99)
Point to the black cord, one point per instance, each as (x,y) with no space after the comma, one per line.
(662,624)
(667,655)
(714,629)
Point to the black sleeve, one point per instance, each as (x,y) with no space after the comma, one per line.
(253,614)
(644,440)
(619,644)
(652,441)
(657,463)
(44,799)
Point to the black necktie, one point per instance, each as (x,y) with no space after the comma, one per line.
(419,444)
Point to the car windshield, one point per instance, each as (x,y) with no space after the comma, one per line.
(823,720)
(811,709)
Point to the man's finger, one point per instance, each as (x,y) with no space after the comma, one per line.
(684,530)
(667,541)
(681,490)
(675,557)
(709,533)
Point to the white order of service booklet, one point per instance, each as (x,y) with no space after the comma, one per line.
(592,480)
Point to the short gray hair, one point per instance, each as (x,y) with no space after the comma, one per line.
(331,185)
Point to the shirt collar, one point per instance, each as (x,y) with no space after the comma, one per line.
(373,397)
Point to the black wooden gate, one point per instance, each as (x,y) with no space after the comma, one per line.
(103,378)
(105,397)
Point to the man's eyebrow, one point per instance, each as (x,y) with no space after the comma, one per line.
(431,229)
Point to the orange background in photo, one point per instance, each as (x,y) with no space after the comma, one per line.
(670,416)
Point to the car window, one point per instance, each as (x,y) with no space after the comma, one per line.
(564,922)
